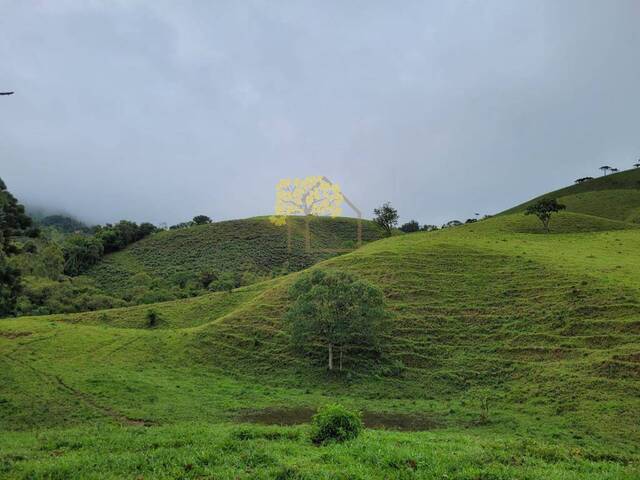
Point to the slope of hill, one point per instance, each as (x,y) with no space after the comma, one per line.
(252,247)
(539,332)
(615,196)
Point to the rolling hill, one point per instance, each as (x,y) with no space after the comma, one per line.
(514,353)
(615,196)
(253,247)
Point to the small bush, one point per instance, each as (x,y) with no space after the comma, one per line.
(335,423)
(152,318)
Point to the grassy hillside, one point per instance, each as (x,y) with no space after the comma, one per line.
(253,247)
(539,332)
(615,196)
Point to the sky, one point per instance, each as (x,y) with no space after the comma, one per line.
(160,110)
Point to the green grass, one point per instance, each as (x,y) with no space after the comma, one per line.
(544,327)
(614,196)
(250,452)
(253,246)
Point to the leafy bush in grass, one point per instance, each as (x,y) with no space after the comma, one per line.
(335,423)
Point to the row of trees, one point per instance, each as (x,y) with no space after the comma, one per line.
(387,217)
(13,222)
(605,169)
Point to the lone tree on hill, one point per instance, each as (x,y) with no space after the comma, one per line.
(613,170)
(605,169)
(386,216)
(543,209)
(201,220)
(410,227)
(336,310)
(637,164)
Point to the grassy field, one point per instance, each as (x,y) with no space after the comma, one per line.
(513,353)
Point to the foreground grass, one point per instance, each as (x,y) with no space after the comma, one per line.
(255,452)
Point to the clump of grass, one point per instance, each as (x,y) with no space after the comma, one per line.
(335,423)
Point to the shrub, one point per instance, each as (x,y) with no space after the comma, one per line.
(152,318)
(335,423)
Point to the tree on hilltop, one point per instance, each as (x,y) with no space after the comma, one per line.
(201,220)
(605,169)
(543,209)
(410,227)
(386,216)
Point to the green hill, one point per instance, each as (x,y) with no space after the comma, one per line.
(516,352)
(253,248)
(615,196)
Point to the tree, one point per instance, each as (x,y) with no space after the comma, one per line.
(410,227)
(583,179)
(336,310)
(10,286)
(429,228)
(386,216)
(605,169)
(51,263)
(201,220)
(613,170)
(543,209)
(637,164)
(13,219)
(80,252)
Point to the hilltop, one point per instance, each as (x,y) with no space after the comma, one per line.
(615,196)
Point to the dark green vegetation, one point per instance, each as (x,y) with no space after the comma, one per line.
(516,350)
(337,311)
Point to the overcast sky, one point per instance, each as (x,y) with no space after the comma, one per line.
(160,110)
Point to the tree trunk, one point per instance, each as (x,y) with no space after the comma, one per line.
(340,357)
(330,357)
(307,234)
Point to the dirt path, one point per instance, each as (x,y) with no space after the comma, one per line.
(83,397)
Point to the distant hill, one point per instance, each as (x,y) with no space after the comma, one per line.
(64,223)
(615,196)
(253,248)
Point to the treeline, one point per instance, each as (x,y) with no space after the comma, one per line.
(81,251)
(13,222)
(41,262)
(414,226)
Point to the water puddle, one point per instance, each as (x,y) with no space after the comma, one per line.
(406,422)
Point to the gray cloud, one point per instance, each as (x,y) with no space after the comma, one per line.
(156,111)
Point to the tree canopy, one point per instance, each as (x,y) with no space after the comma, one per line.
(386,216)
(543,209)
(410,227)
(336,310)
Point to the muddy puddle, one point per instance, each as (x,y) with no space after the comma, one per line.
(407,422)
